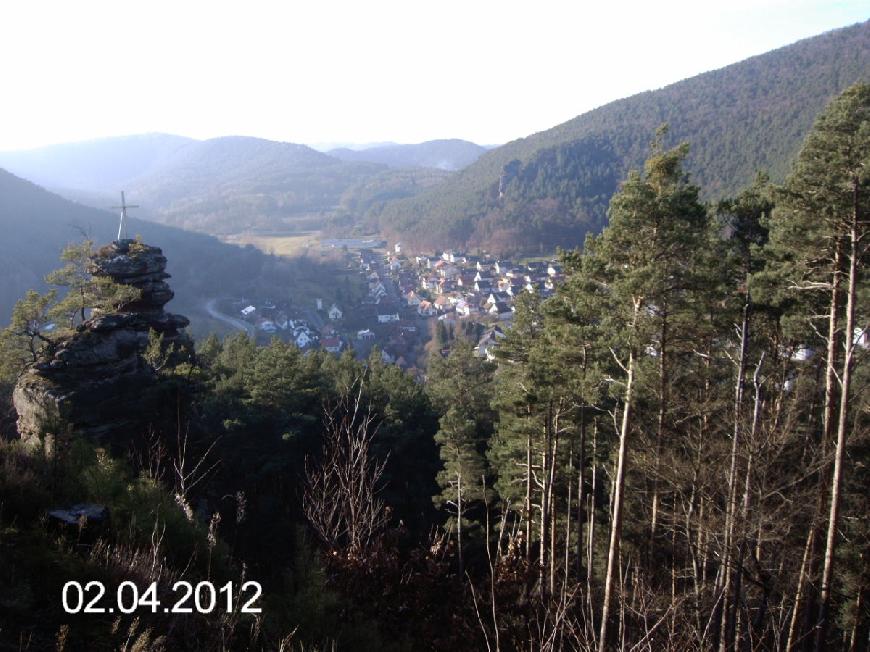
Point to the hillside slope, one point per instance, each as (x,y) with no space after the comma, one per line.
(451,154)
(551,188)
(37,224)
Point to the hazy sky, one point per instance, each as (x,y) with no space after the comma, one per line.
(324,71)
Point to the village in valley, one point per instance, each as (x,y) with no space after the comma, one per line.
(410,304)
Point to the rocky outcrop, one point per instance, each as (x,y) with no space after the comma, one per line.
(97,382)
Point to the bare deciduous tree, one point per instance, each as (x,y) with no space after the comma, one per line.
(340,498)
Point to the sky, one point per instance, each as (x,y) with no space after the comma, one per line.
(362,71)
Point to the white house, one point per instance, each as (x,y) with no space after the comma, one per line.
(465,309)
(397,248)
(247,311)
(303,339)
(335,312)
(488,342)
(386,319)
(366,334)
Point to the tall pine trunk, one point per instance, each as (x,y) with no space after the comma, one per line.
(842,425)
(726,628)
(660,427)
(618,485)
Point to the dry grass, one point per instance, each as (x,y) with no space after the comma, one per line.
(291,244)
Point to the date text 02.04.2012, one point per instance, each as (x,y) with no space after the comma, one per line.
(185,598)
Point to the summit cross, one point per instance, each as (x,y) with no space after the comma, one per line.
(123,207)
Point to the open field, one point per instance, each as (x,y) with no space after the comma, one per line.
(288,244)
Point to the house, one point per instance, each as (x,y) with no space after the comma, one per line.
(246,312)
(502,266)
(495,297)
(395,264)
(515,289)
(397,248)
(267,326)
(331,344)
(500,309)
(386,319)
(365,335)
(335,312)
(412,298)
(554,269)
(443,302)
(488,342)
(483,286)
(466,309)
(426,309)
(303,339)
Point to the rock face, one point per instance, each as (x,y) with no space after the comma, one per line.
(97,382)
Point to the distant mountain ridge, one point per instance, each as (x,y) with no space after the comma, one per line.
(221,185)
(449,154)
(96,165)
(553,187)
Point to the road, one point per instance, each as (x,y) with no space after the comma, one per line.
(236,323)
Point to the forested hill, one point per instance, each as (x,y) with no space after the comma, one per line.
(451,154)
(221,185)
(37,224)
(551,188)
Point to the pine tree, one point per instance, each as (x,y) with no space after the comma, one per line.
(820,229)
(644,263)
(742,219)
(460,388)
(84,291)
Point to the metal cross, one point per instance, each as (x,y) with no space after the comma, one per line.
(124,206)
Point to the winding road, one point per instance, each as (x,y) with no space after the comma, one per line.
(236,323)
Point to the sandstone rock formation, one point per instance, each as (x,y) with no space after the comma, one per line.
(97,382)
